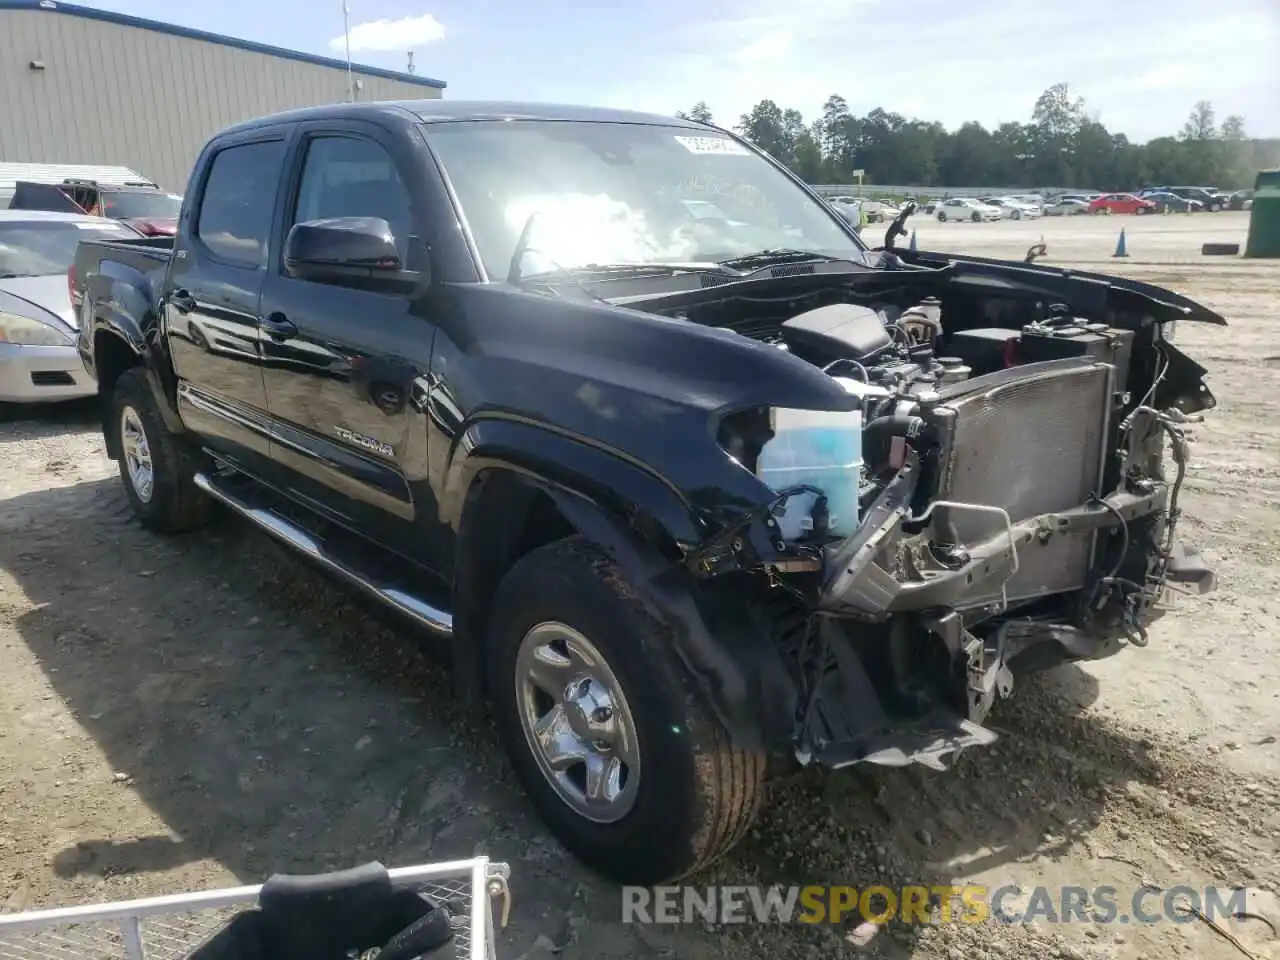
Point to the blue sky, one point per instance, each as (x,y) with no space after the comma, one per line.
(1139,64)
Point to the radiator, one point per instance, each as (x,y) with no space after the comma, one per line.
(1030,440)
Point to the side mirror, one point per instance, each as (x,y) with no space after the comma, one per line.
(355,250)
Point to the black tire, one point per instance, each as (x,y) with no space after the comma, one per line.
(174,503)
(1140,211)
(942,217)
(1214,208)
(1016,215)
(697,795)
(977,217)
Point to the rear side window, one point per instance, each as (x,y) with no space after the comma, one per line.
(234,220)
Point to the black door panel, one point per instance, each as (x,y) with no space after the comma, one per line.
(211,313)
(341,362)
(339,410)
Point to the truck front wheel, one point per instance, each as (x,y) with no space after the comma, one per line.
(617,752)
(156,465)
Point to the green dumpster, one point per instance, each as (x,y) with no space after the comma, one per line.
(1264,221)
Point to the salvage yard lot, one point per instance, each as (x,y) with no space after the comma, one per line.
(186,713)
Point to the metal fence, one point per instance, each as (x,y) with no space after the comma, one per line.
(172,927)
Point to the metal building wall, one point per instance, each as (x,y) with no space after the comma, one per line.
(121,95)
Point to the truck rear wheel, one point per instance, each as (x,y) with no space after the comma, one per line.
(615,749)
(156,465)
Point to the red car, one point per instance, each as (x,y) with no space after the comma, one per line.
(1121,203)
(144,206)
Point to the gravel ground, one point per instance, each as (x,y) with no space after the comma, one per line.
(185,713)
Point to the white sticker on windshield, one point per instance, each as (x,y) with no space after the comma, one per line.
(721,145)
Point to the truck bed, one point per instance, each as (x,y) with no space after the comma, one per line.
(142,261)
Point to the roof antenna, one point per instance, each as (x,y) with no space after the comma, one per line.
(346,36)
(410,67)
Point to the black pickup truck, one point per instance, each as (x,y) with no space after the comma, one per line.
(689,482)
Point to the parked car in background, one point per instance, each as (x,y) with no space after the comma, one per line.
(1171,202)
(1014,209)
(1240,200)
(1126,203)
(144,206)
(966,208)
(1066,207)
(851,212)
(873,210)
(38,357)
(1207,198)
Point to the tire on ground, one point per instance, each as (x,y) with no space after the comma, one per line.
(1220,249)
(176,504)
(697,795)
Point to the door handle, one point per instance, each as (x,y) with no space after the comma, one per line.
(279,327)
(182,301)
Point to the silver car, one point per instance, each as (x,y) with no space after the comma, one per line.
(38,357)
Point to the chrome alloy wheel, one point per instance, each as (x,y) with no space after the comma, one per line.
(137,454)
(577,723)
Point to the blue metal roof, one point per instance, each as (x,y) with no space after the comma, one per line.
(124,20)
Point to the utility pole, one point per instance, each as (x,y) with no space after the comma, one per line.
(346,36)
(411,61)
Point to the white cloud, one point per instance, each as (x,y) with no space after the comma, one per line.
(770,47)
(1162,77)
(389,35)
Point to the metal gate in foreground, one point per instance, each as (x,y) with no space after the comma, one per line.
(172,927)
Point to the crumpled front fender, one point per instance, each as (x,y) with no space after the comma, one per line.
(728,653)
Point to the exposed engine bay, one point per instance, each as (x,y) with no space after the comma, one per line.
(1014,506)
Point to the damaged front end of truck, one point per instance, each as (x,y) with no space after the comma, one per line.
(1010,520)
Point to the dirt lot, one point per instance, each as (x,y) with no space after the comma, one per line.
(186,713)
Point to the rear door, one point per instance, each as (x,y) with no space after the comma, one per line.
(345,367)
(211,308)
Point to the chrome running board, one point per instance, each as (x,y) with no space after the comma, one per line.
(396,597)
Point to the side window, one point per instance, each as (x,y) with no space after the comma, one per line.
(234,220)
(350,177)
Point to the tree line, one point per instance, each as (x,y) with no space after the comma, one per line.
(1063,145)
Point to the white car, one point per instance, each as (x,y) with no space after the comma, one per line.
(38,325)
(1066,207)
(964,208)
(1014,208)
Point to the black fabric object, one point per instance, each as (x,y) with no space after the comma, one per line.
(420,938)
(327,916)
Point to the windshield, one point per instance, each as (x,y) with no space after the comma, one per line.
(623,193)
(35,248)
(141,203)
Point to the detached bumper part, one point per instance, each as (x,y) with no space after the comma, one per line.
(1186,566)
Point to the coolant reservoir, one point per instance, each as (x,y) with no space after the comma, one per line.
(820,449)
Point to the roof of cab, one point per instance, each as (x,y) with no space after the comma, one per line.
(444,111)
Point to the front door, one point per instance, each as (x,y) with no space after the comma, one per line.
(343,365)
(211,309)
